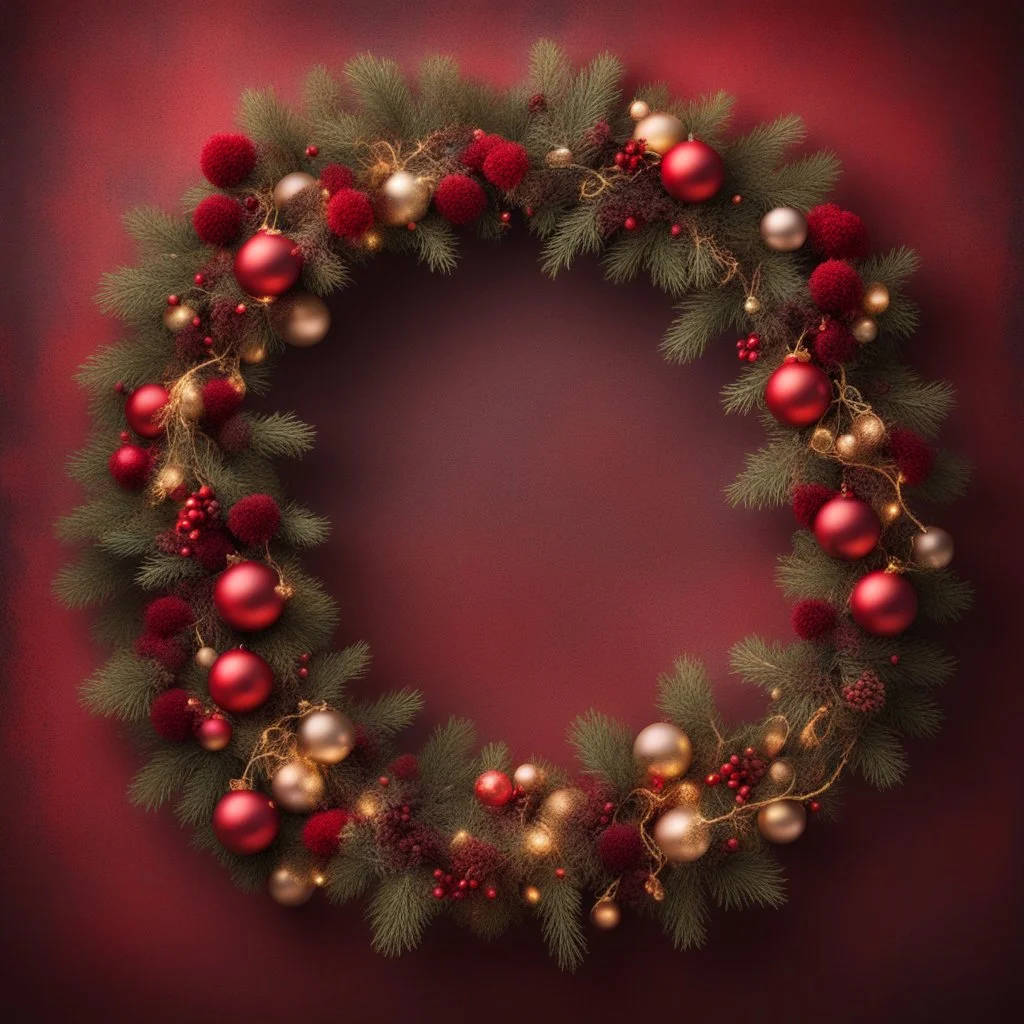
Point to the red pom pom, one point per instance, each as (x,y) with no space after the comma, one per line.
(254,519)
(837,233)
(173,714)
(321,834)
(620,848)
(189,346)
(460,199)
(165,650)
(833,345)
(168,616)
(235,435)
(212,549)
(335,177)
(835,286)
(129,465)
(349,213)
(813,618)
(221,400)
(913,455)
(227,159)
(807,502)
(474,155)
(406,768)
(506,164)
(217,220)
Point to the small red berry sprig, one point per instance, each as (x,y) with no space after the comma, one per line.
(447,885)
(302,665)
(741,773)
(747,348)
(199,512)
(631,157)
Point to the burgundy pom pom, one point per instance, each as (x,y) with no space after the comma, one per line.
(217,220)
(212,549)
(835,286)
(813,618)
(349,213)
(254,519)
(474,155)
(506,164)
(833,345)
(173,714)
(807,502)
(913,455)
(321,834)
(837,233)
(235,435)
(129,465)
(405,768)
(620,848)
(168,616)
(335,177)
(189,346)
(460,199)
(162,649)
(227,159)
(221,400)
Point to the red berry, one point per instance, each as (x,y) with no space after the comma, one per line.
(506,217)
(173,300)
(240,309)
(491,893)
(713,779)
(894,659)
(814,806)
(559,872)
(438,893)
(737,199)
(199,279)
(312,151)
(676,230)
(629,223)
(384,780)
(438,873)
(732,844)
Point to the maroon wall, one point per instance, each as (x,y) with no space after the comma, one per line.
(528,514)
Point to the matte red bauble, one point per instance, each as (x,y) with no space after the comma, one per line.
(214,732)
(246,597)
(267,264)
(847,528)
(798,394)
(692,171)
(493,789)
(142,410)
(883,603)
(240,681)
(129,466)
(245,821)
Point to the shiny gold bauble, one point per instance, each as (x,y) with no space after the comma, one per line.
(876,298)
(682,835)
(561,156)
(169,479)
(326,736)
(784,229)
(177,318)
(254,352)
(290,186)
(538,842)
(528,777)
(638,110)
(687,793)
(402,199)
(290,888)
(774,738)
(188,401)
(605,914)
(205,657)
(864,329)
(847,446)
(560,803)
(302,319)
(663,750)
(297,786)
(869,430)
(662,132)
(822,440)
(933,549)
(781,773)
(531,895)
(782,821)
(752,305)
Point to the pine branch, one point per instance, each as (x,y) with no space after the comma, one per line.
(685,698)
(350,872)
(390,713)
(684,910)
(93,578)
(942,597)
(879,757)
(947,481)
(549,70)
(331,670)
(280,435)
(436,244)
(702,316)
(158,232)
(747,879)
(495,757)
(301,528)
(386,105)
(123,688)
(577,233)
(560,910)
(166,772)
(768,474)
(399,911)
(604,748)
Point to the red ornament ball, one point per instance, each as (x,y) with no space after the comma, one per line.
(240,681)
(837,233)
(245,822)
(321,834)
(142,410)
(798,394)
(620,848)
(221,400)
(807,501)
(246,598)
(335,177)
(692,172)
(350,213)
(164,650)
(847,528)
(506,164)
(213,732)
(913,455)
(493,788)
(217,220)
(813,618)
(474,155)
(168,616)
(883,603)
(268,264)
(835,287)
(254,519)
(460,199)
(129,465)
(834,345)
(173,714)
(227,159)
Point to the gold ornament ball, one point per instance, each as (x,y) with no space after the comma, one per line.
(687,793)
(531,895)
(638,110)
(528,777)
(864,329)
(782,821)
(302,319)
(662,132)
(205,657)
(297,786)
(177,318)
(783,229)
(847,446)
(663,750)
(605,914)
(402,199)
(188,400)
(290,186)
(326,736)
(822,440)
(933,549)
(559,157)
(289,888)
(781,773)
(752,305)
(169,479)
(538,842)
(876,298)
(774,739)
(682,835)
(560,803)
(869,430)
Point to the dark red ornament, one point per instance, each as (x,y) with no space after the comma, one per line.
(807,502)
(837,233)
(129,465)
(506,164)
(213,732)
(240,681)
(835,287)
(350,213)
(173,714)
(493,788)
(168,616)
(812,618)
(847,528)
(217,220)
(245,822)
(268,264)
(254,519)
(246,596)
(336,176)
(321,834)
(692,172)
(798,394)
(142,410)
(227,159)
(221,400)
(883,603)
(460,199)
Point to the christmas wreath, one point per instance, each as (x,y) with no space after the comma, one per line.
(221,661)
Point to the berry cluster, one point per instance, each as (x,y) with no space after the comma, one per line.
(867,694)
(631,157)
(199,513)
(740,773)
(473,867)
(409,842)
(747,348)
(302,665)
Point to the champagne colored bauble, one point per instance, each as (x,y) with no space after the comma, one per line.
(177,318)
(883,603)
(246,596)
(267,265)
(847,528)
(933,549)
(240,681)
(188,401)
(638,110)
(205,657)
(560,803)
(402,199)
(782,821)
(660,131)
(302,319)
(326,736)
(847,447)
(528,777)
(531,895)
(869,431)
(784,229)
(144,408)
(682,835)
(876,298)
(822,440)
(169,479)
(245,821)
(752,305)
(290,186)
(290,888)
(561,156)
(864,329)
(605,915)
(538,842)
(297,786)
(493,788)
(663,750)
(692,172)
(781,773)
(775,736)
(798,393)
(214,732)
